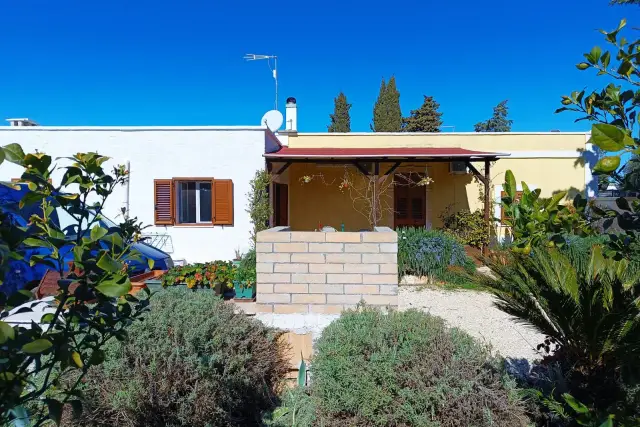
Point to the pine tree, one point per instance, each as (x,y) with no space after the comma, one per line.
(387,116)
(498,122)
(427,118)
(340,119)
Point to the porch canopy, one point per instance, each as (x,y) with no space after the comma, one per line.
(362,157)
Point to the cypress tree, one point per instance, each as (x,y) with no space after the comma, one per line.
(340,119)
(387,116)
(498,122)
(427,118)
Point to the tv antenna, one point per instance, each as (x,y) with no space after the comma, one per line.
(274,70)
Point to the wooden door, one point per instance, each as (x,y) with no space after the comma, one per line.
(409,202)
(281,204)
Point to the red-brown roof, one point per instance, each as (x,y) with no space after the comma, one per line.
(380,153)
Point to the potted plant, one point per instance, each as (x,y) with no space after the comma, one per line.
(245,278)
(216,275)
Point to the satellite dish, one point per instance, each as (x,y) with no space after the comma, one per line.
(273,120)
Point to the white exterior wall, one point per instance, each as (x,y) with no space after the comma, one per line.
(161,153)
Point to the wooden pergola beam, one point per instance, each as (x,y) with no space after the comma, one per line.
(361,168)
(283,168)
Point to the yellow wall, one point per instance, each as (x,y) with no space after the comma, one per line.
(321,201)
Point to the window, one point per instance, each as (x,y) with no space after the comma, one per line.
(193,201)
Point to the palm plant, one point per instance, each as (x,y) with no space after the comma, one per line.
(589,309)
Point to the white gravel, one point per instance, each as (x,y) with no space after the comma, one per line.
(474,312)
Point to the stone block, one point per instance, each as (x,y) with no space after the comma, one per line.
(344,258)
(264,308)
(272,257)
(291,268)
(308,298)
(361,289)
(274,278)
(317,288)
(379,258)
(343,299)
(290,308)
(389,248)
(308,278)
(273,236)
(343,237)
(290,247)
(389,269)
(391,300)
(307,236)
(380,279)
(308,258)
(264,288)
(291,288)
(362,247)
(384,237)
(264,267)
(325,268)
(361,268)
(264,247)
(326,247)
(388,289)
(344,278)
(273,298)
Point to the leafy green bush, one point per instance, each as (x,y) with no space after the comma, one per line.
(191,362)
(432,253)
(408,369)
(587,306)
(246,271)
(468,227)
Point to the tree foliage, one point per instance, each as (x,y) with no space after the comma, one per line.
(427,118)
(340,119)
(624,2)
(92,305)
(498,122)
(614,111)
(387,116)
(259,208)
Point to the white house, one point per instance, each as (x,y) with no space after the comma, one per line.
(173,173)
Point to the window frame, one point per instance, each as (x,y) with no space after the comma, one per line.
(197,180)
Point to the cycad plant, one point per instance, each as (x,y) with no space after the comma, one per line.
(589,309)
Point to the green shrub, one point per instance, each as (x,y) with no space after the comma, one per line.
(432,253)
(408,369)
(468,227)
(191,362)
(246,271)
(208,275)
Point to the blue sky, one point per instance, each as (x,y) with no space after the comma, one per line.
(180,63)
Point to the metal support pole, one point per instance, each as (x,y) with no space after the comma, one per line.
(487,202)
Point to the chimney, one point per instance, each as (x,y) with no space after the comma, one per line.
(291,115)
(21,122)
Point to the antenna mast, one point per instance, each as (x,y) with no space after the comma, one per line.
(274,70)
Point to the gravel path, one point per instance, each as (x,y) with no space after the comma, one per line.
(473,312)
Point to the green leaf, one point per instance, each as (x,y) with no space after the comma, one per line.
(150,263)
(607,164)
(302,372)
(555,199)
(37,346)
(55,410)
(575,405)
(623,204)
(510,184)
(605,59)
(6,332)
(608,422)
(610,138)
(75,356)
(109,264)
(595,53)
(97,357)
(76,407)
(13,153)
(98,233)
(114,288)
(32,241)
(582,66)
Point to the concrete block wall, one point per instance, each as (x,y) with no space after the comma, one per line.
(325,272)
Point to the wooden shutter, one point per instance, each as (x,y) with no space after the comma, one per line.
(222,203)
(163,201)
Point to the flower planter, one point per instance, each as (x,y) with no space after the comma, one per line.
(243,291)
